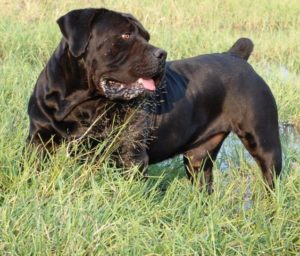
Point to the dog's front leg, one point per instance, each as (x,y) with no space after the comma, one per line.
(135,156)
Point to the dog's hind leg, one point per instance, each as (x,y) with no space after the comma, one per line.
(263,143)
(202,158)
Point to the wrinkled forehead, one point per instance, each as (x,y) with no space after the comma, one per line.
(113,22)
(117,23)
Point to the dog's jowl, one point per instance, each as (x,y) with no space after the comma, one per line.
(104,66)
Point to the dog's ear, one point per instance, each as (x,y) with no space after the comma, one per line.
(76,28)
(139,25)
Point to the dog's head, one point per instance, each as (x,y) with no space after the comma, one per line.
(120,62)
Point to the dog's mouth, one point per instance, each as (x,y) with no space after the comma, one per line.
(116,90)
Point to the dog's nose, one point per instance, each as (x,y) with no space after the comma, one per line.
(160,53)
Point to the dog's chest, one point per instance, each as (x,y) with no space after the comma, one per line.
(101,120)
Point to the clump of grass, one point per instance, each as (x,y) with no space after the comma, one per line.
(71,208)
(68,207)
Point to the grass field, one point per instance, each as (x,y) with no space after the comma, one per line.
(70,208)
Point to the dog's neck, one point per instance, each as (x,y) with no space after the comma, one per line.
(73,89)
(63,96)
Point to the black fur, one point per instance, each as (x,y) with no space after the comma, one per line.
(96,69)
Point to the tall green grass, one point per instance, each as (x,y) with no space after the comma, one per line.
(72,208)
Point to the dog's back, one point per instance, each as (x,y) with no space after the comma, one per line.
(208,96)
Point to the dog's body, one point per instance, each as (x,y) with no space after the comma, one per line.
(206,98)
(198,101)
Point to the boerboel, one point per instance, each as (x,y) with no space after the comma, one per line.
(105,67)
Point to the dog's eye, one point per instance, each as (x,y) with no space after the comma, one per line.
(125,36)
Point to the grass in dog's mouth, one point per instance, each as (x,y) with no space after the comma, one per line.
(114,89)
(117,86)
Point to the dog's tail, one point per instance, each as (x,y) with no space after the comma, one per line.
(243,47)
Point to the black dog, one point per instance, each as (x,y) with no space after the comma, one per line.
(104,65)
(103,59)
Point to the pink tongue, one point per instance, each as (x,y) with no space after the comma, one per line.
(147,83)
